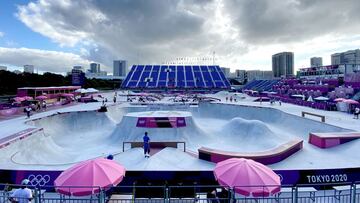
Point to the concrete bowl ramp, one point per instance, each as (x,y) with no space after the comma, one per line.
(66,138)
(126,130)
(281,123)
(228,129)
(272,156)
(248,136)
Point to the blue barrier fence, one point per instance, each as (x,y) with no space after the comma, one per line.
(344,193)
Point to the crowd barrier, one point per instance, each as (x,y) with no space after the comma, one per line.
(11,111)
(344,193)
(328,106)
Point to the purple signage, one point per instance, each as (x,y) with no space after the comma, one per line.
(288,177)
(78,78)
(161,122)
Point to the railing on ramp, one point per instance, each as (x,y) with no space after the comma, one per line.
(157,144)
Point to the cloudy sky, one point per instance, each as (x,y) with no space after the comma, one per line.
(54,35)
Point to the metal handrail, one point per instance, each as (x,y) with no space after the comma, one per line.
(152,144)
(196,193)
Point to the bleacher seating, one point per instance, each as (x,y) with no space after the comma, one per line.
(260,85)
(176,77)
(288,89)
(356,97)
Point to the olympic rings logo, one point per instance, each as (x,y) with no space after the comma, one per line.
(38,180)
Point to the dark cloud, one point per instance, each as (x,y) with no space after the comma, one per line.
(281,21)
(144,31)
(134,29)
(149,21)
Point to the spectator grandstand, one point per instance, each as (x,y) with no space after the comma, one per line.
(320,93)
(260,85)
(176,77)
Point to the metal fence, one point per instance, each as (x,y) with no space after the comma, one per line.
(356,192)
(319,193)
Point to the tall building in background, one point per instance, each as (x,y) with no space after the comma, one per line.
(3,68)
(239,75)
(344,58)
(77,75)
(283,64)
(78,68)
(226,71)
(315,62)
(120,68)
(95,71)
(28,68)
(94,68)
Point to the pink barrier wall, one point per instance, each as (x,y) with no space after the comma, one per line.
(9,112)
(267,157)
(6,141)
(315,140)
(331,140)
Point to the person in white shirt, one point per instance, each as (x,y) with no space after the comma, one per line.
(28,110)
(23,194)
(44,105)
(356,113)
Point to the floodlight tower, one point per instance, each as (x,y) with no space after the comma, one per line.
(213,57)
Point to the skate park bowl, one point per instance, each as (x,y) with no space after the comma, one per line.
(217,127)
(203,135)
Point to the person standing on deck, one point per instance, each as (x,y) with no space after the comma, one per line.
(44,105)
(114,99)
(356,113)
(146,145)
(28,110)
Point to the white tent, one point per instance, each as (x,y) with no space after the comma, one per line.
(272,92)
(321,98)
(91,90)
(310,99)
(82,91)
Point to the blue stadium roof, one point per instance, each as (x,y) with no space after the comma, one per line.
(176,76)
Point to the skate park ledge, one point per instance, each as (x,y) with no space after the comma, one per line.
(265,157)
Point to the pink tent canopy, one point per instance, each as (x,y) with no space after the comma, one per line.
(339,99)
(247,177)
(19,99)
(350,101)
(86,178)
(28,98)
(42,97)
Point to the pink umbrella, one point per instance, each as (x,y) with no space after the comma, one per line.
(19,99)
(86,178)
(42,97)
(247,177)
(28,98)
(350,101)
(339,99)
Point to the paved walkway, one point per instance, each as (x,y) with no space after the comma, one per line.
(49,108)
